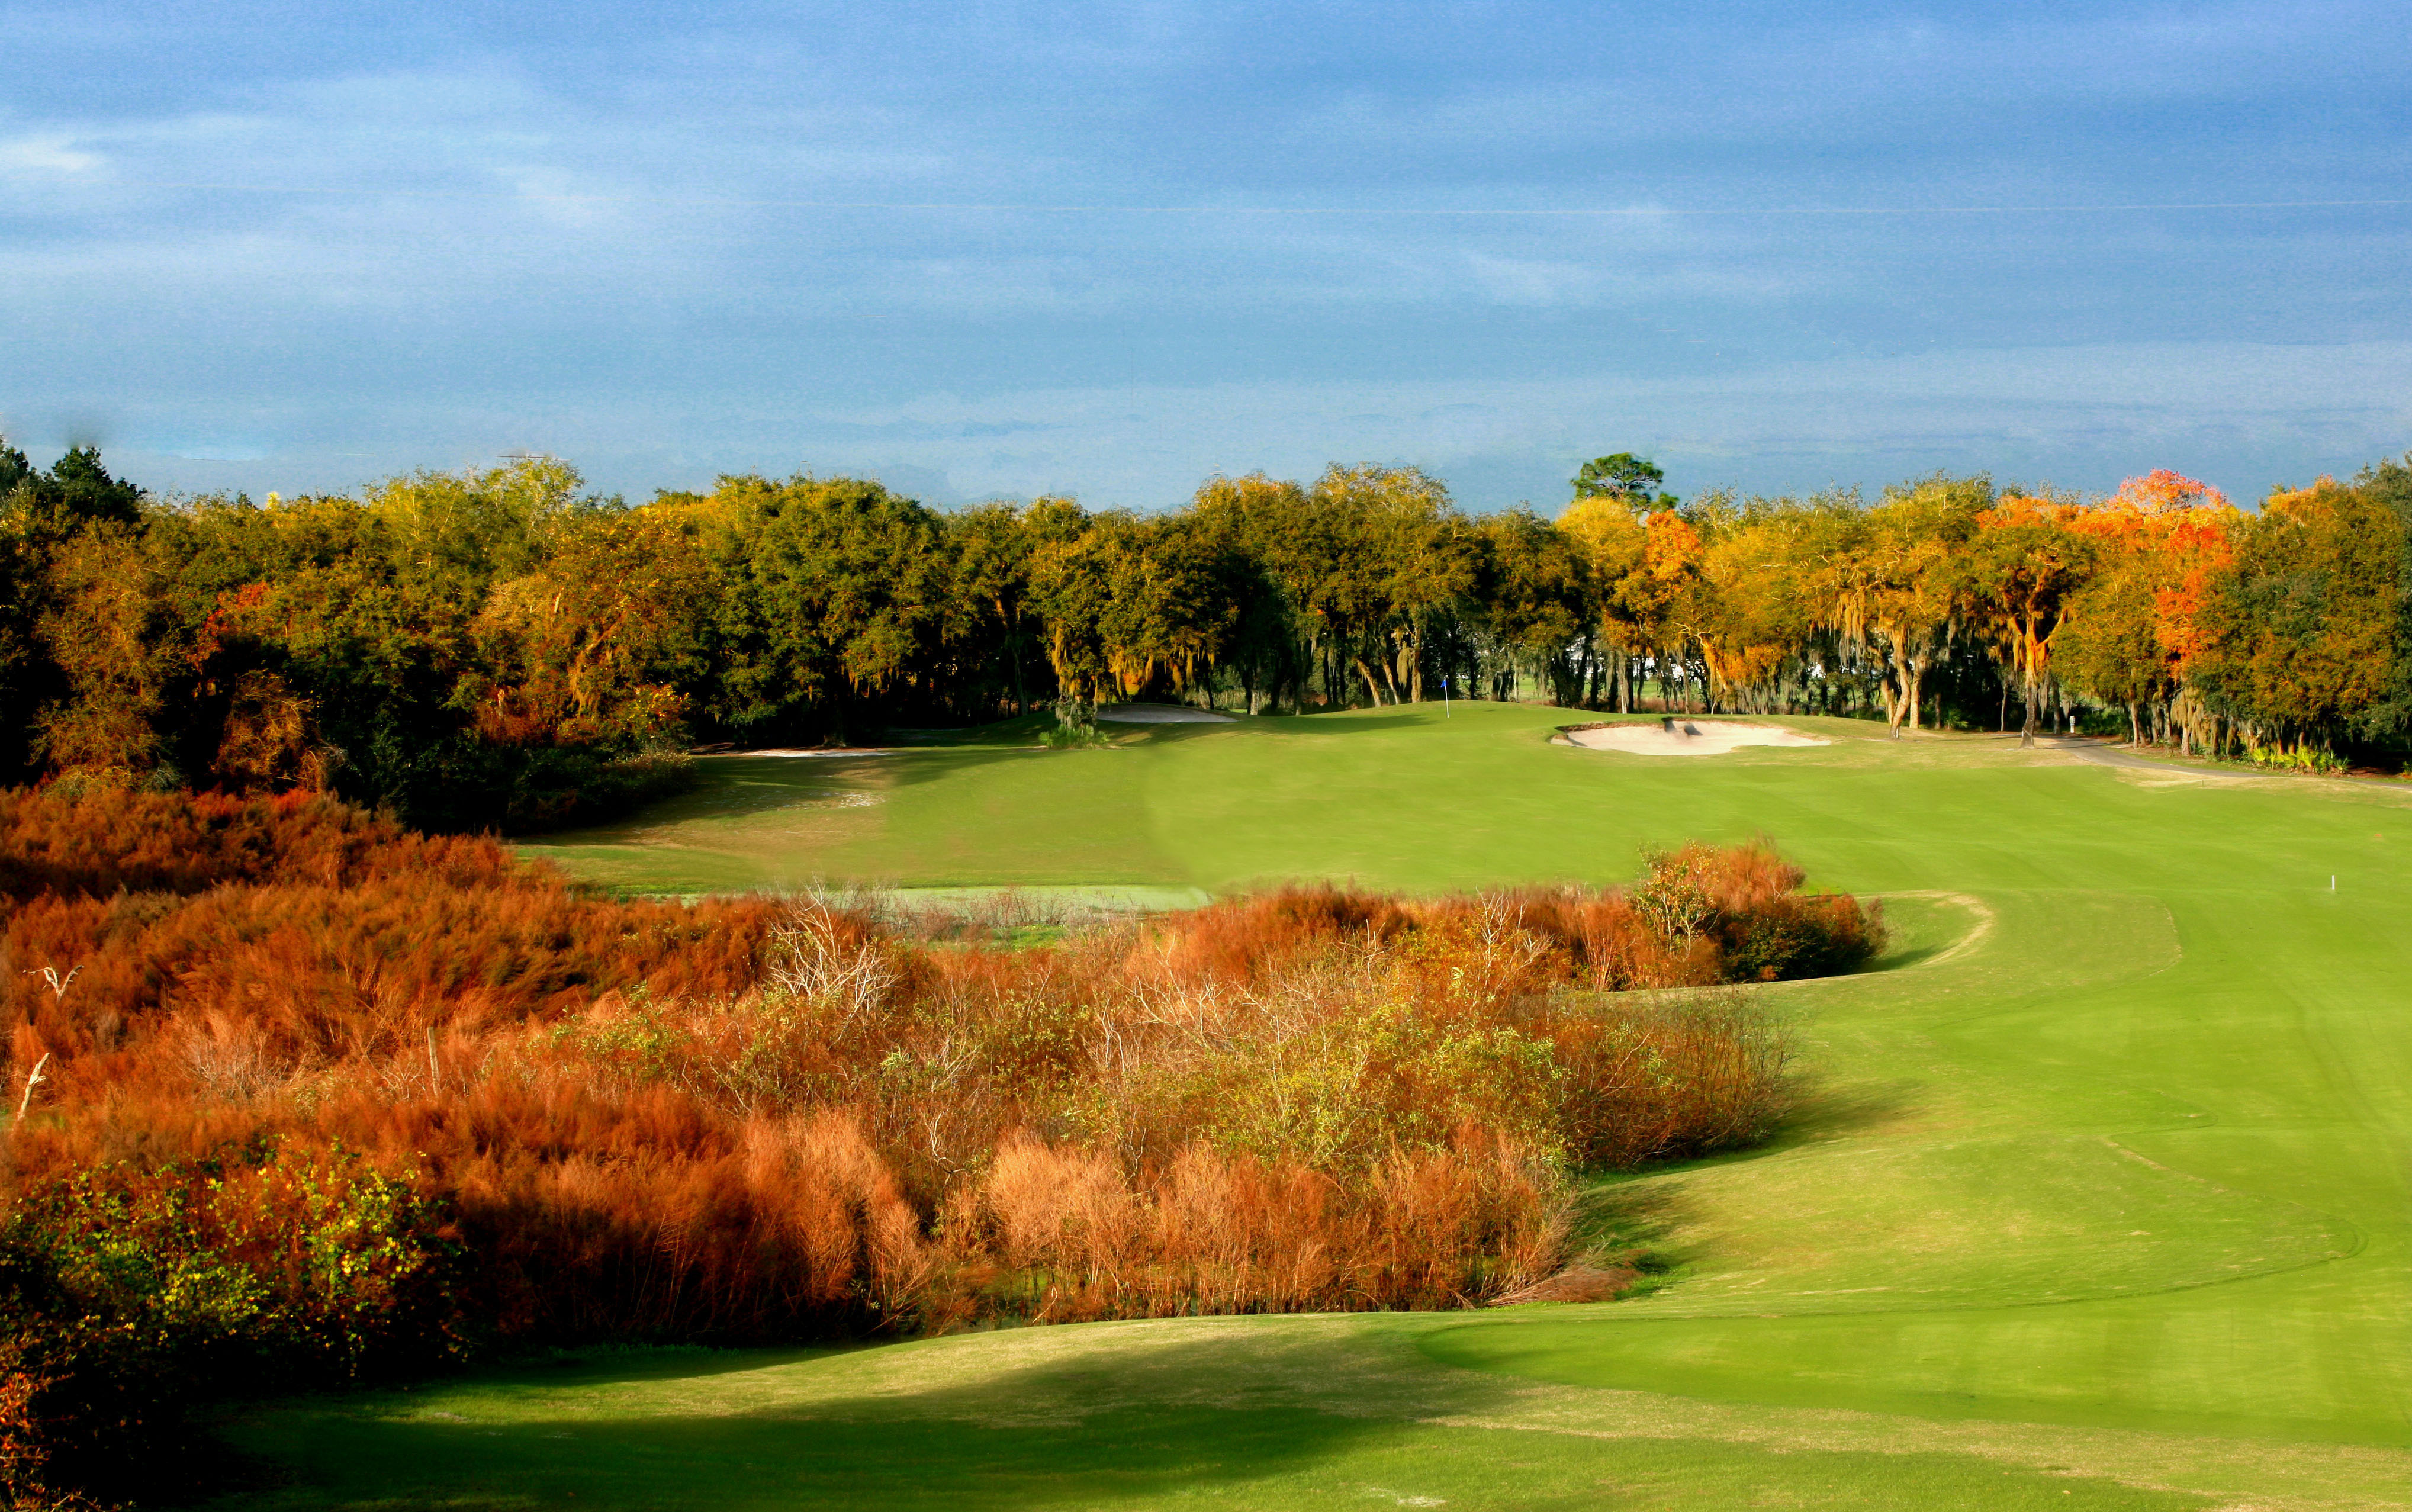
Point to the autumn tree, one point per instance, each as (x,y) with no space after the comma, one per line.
(1660,597)
(1748,612)
(2133,631)
(1631,603)
(85,638)
(107,628)
(593,645)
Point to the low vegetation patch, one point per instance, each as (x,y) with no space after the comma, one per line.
(307,1095)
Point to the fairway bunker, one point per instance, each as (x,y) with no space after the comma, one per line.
(1159,714)
(820,752)
(1681,737)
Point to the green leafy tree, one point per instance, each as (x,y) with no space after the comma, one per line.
(1378,551)
(2303,633)
(1624,476)
(1884,579)
(82,668)
(992,544)
(591,646)
(2020,572)
(1249,518)
(835,596)
(1536,593)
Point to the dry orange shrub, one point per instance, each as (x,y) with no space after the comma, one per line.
(746,1120)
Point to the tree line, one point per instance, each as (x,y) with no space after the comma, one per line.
(501,646)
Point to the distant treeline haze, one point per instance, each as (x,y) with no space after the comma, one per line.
(500,647)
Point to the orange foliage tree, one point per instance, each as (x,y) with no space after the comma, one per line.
(2133,629)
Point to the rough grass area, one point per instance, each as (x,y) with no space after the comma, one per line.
(2096,1197)
(330,1103)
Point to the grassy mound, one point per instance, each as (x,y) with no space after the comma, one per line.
(2097,1200)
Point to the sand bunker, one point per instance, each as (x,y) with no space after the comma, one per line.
(1685,736)
(1159,714)
(820,751)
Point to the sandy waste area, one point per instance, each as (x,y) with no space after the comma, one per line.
(1159,714)
(1687,736)
(824,752)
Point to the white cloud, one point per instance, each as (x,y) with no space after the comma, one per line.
(47,152)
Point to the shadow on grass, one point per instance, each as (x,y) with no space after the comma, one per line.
(1907,956)
(1623,1214)
(1820,1112)
(736,785)
(1639,1209)
(1248,1413)
(1321,724)
(1059,1432)
(743,787)
(732,787)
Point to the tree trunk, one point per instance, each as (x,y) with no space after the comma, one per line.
(1372,688)
(2134,727)
(2026,726)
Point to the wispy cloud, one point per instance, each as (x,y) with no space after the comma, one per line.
(47,152)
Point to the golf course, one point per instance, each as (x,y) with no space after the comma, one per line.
(2097,1192)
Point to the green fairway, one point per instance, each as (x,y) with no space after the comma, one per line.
(2096,1195)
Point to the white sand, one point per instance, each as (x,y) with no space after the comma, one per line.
(1686,738)
(1159,714)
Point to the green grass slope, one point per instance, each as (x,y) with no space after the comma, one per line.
(2097,1197)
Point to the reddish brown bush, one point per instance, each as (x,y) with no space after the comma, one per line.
(101,840)
(742,1120)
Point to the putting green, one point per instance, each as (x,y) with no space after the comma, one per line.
(2097,1195)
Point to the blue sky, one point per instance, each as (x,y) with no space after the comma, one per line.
(1109,250)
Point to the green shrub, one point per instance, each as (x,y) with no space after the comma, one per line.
(2304,759)
(1076,726)
(129,1292)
